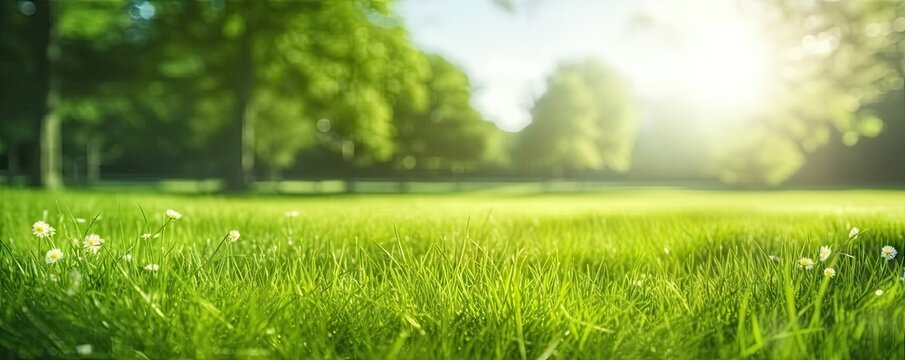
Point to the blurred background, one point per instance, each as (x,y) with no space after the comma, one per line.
(308,95)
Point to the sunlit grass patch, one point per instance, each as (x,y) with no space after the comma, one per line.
(628,274)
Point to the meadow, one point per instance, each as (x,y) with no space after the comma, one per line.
(623,273)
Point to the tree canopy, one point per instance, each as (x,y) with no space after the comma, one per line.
(584,121)
(839,58)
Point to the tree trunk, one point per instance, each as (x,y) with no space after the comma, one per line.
(403,186)
(275,180)
(47,153)
(74,174)
(240,164)
(348,152)
(93,161)
(12,156)
(51,154)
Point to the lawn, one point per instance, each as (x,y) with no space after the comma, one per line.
(628,273)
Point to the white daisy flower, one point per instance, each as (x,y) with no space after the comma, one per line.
(152,267)
(93,242)
(806,263)
(233,235)
(42,229)
(825,253)
(878,292)
(292,214)
(84,349)
(173,214)
(829,272)
(888,252)
(53,256)
(146,236)
(853,233)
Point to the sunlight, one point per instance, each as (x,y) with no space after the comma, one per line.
(723,69)
(716,63)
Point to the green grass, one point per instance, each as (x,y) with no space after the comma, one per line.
(456,276)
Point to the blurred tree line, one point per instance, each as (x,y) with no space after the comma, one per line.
(242,90)
(231,89)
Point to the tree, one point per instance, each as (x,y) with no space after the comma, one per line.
(841,58)
(449,133)
(20,93)
(31,50)
(251,79)
(210,86)
(340,68)
(98,79)
(584,121)
(51,93)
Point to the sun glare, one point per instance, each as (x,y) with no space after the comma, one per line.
(723,69)
(718,64)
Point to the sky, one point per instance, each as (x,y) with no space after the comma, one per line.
(508,55)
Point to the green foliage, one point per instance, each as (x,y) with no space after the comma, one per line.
(584,121)
(20,88)
(626,274)
(174,77)
(841,57)
(768,159)
(447,133)
(100,23)
(350,69)
(616,116)
(282,129)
